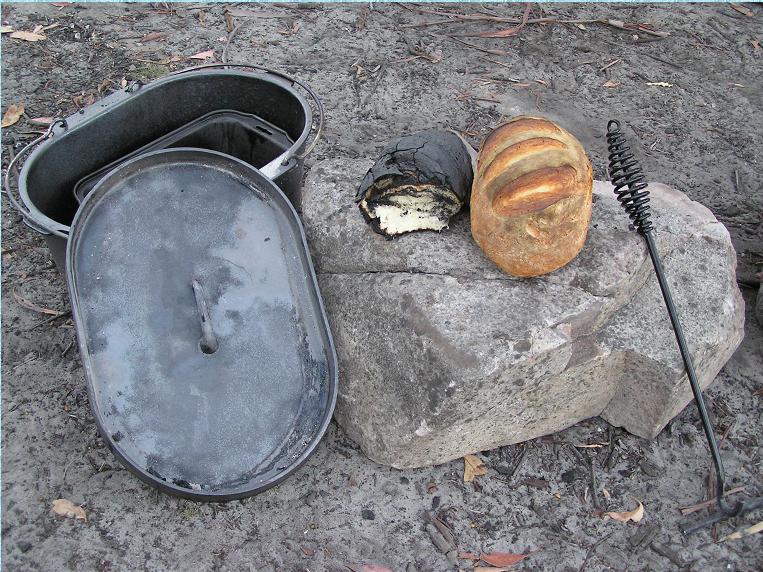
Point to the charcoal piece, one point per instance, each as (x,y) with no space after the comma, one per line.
(419,182)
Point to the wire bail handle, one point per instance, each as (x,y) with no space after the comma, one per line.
(17,203)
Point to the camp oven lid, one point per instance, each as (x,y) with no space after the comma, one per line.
(207,354)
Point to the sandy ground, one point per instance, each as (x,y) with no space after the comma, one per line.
(702,133)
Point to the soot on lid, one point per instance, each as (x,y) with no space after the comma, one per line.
(208,358)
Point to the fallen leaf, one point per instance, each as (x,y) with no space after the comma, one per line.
(34,307)
(104,85)
(754,529)
(510,31)
(639,27)
(606,494)
(43,121)
(28,36)
(473,467)
(67,508)
(60,4)
(209,54)
(593,445)
(294,29)
(610,83)
(83,99)
(755,44)
(12,114)
(742,10)
(634,515)
(307,551)
(536,483)
(153,36)
(6,29)
(659,84)
(442,528)
(502,559)
(427,51)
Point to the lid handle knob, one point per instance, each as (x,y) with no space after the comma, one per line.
(208,343)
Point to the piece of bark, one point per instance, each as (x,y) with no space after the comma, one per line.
(419,182)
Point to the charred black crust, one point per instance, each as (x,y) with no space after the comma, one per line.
(432,157)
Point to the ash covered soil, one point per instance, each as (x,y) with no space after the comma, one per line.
(700,131)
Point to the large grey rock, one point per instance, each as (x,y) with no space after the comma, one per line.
(441,354)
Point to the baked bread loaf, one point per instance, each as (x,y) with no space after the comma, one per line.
(531,196)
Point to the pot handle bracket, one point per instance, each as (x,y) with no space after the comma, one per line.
(16,203)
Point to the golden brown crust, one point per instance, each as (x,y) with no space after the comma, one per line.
(516,130)
(531,197)
(522,158)
(535,191)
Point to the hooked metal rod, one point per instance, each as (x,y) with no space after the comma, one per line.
(695,386)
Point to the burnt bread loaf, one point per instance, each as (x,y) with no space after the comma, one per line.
(531,196)
(419,182)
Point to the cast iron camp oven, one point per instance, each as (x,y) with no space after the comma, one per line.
(127,120)
(208,358)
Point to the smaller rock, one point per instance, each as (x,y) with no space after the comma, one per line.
(25,546)
(389,489)
(650,468)
(367,514)
(573,475)
(644,535)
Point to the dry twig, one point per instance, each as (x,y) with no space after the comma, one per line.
(709,502)
(457,18)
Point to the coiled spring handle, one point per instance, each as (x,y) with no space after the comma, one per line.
(631,190)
